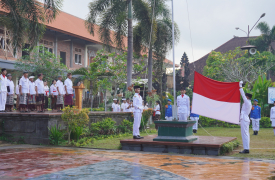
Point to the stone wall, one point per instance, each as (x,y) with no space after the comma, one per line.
(32,128)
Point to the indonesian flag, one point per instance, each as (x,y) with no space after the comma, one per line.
(217,100)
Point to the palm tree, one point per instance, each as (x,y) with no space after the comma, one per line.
(25,19)
(156,36)
(263,42)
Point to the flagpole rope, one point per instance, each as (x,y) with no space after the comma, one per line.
(206,131)
(190,36)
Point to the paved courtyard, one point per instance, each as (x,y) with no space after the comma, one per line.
(40,162)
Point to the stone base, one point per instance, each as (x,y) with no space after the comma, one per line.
(203,145)
(175,138)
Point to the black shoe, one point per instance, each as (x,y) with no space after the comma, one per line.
(194,131)
(245,151)
(256,132)
(140,137)
(136,137)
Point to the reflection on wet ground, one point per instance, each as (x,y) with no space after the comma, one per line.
(32,162)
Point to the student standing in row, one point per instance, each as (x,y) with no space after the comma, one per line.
(17,95)
(3,89)
(10,97)
(54,94)
(31,97)
(24,92)
(46,95)
(39,88)
(118,108)
(61,93)
(157,110)
(114,105)
(255,117)
(68,84)
(123,105)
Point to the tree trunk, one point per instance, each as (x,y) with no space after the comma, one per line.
(91,94)
(130,45)
(69,135)
(150,70)
(105,101)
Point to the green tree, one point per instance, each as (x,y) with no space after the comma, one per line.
(263,42)
(238,65)
(41,61)
(25,19)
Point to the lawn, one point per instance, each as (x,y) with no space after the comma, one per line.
(262,145)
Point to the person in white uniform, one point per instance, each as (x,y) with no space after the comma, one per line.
(123,105)
(244,119)
(68,86)
(272,117)
(24,92)
(46,95)
(61,94)
(183,103)
(10,97)
(39,89)
(114,105)
(31,97)
(3,89)
(118,108)
(138,109)
(157,110)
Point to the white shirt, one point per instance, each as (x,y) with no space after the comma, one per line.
(3,83)
(137,103)
(40,86)
(60,86)
(32,88)
(69,85)
(118,108)
(17,89)
(114,107)
(145,107)
(24,83)
(11,85)
(46,90)
(183,104)
(272,113)
(157,109)
(246,108)
(53,90)
(124,106)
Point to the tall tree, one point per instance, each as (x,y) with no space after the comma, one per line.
(263,42)
(25,19)
(154,33)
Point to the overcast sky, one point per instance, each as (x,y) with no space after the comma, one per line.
(212,22)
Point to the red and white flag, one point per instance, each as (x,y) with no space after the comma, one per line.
(215,99)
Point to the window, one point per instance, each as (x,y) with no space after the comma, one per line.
(50,50)
(24,50)
(77,59)
(63,57)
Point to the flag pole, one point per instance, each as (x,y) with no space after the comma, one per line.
(174,71)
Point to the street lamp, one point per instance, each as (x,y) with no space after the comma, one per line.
(248,32)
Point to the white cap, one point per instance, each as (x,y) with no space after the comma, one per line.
(31,77)
(114,99)
(123,99)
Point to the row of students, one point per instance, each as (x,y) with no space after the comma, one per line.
(126,105)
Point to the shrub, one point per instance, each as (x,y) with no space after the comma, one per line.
(99,109)
(208,122)
(145,117)
(104,127)
(76,132)
(229,147)
(265,122)
(74,118)
(55,135)
(126,126)
(86,141)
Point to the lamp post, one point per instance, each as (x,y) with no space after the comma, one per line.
(249,30)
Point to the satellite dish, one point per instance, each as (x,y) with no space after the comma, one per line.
(252,51)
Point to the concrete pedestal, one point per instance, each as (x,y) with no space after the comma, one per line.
(175,131)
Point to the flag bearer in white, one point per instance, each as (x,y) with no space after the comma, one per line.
(255,117)
(183,103)
(3,89)
(272,117)
(138,108)
(244,119)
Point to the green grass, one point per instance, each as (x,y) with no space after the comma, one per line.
(262,146)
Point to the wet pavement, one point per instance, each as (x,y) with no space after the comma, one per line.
(38,162)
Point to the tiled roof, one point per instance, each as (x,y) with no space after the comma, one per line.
(229,45)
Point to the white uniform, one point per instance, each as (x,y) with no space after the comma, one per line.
(118,109)
(137,111)
(3,91)
(272,116)
(60,86)
(157,109)
(183,104)
(114,107)
(124,106)
(244,119)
